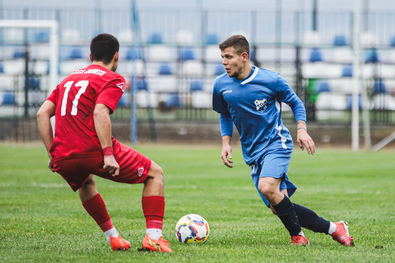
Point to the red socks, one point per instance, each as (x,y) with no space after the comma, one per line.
(154,211)
(96,208)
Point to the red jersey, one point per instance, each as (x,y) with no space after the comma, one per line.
(75,98)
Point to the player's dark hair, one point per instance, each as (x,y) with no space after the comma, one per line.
(103,47)
(238,42)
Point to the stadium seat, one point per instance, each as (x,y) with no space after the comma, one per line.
(155,38)
(34,83)
(141,84)
(41,36)
(342,55)
(163,84)
(312,38)
(392,41)
(219,70)
(174,101)
(331,101)
(146,99)
(165,69)
(70,34)
(349,102)
(123,102)
(192,68)
(185,37)
(134,53)
(201,100)
(383,102)
(8,98)
(212,54)
(14,67)
(368,40)
(159,53)
(197,85)
(75,53)
(339,41)
(379,87)
(187,54)
(322,86)
(125,35)
(371,56)
(347,70)
(18,54)
(321,70)
(211,39)
(315,55)
(1,67)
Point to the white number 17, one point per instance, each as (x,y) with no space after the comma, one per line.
(83,84)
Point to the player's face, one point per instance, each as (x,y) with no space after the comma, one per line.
(234,64)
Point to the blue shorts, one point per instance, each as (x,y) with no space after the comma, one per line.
(273,164)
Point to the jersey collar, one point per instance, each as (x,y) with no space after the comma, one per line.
(251,77)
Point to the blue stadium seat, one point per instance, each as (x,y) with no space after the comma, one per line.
(392,41)
(219,70)
(322,86)
(34,83)
(197,85)
(212,39)
(18,54)
(315,55)
(165,69)
(340,41)
(347,71)
(372,56)
(379,87)
(155,38)
(174,101)
(75,53)
(8,98)
(349,102)
(134,53)
(1,67)
(42,36)
(141,84)
(122,101)
(187,54)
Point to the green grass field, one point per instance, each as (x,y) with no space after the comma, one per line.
(42,219)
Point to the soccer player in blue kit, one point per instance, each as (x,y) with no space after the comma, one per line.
(250,98)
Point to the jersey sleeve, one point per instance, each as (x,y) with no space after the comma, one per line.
(111,93)
(287,95)
(52,96)
(219,104)
(226,125)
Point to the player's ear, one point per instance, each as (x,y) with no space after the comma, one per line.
(116,56)
(90,57)
(244,55)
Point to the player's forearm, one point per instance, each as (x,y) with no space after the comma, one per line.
(103,126)
(226,140)
(44,115)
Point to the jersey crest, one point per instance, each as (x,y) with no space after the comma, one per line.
(260,105)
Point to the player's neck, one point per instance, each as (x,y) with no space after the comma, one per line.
(100,63)
(246,72)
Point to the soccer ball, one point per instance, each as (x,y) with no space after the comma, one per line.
(192,228)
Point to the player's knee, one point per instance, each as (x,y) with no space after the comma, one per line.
(267,190)
(156,172)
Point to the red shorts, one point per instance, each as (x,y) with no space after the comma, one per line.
(134,167)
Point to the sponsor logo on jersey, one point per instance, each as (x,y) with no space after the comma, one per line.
(141,171)
(260,105)
(226,91)
(121,86)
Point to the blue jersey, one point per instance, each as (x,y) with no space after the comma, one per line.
(254,106)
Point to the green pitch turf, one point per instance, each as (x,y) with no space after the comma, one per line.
(42,219)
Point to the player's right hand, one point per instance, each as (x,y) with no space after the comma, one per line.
(111,165)
(226,155)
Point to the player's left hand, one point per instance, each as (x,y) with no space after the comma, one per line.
(111,165)
(304,140)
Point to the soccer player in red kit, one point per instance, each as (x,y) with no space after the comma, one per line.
(82,145)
